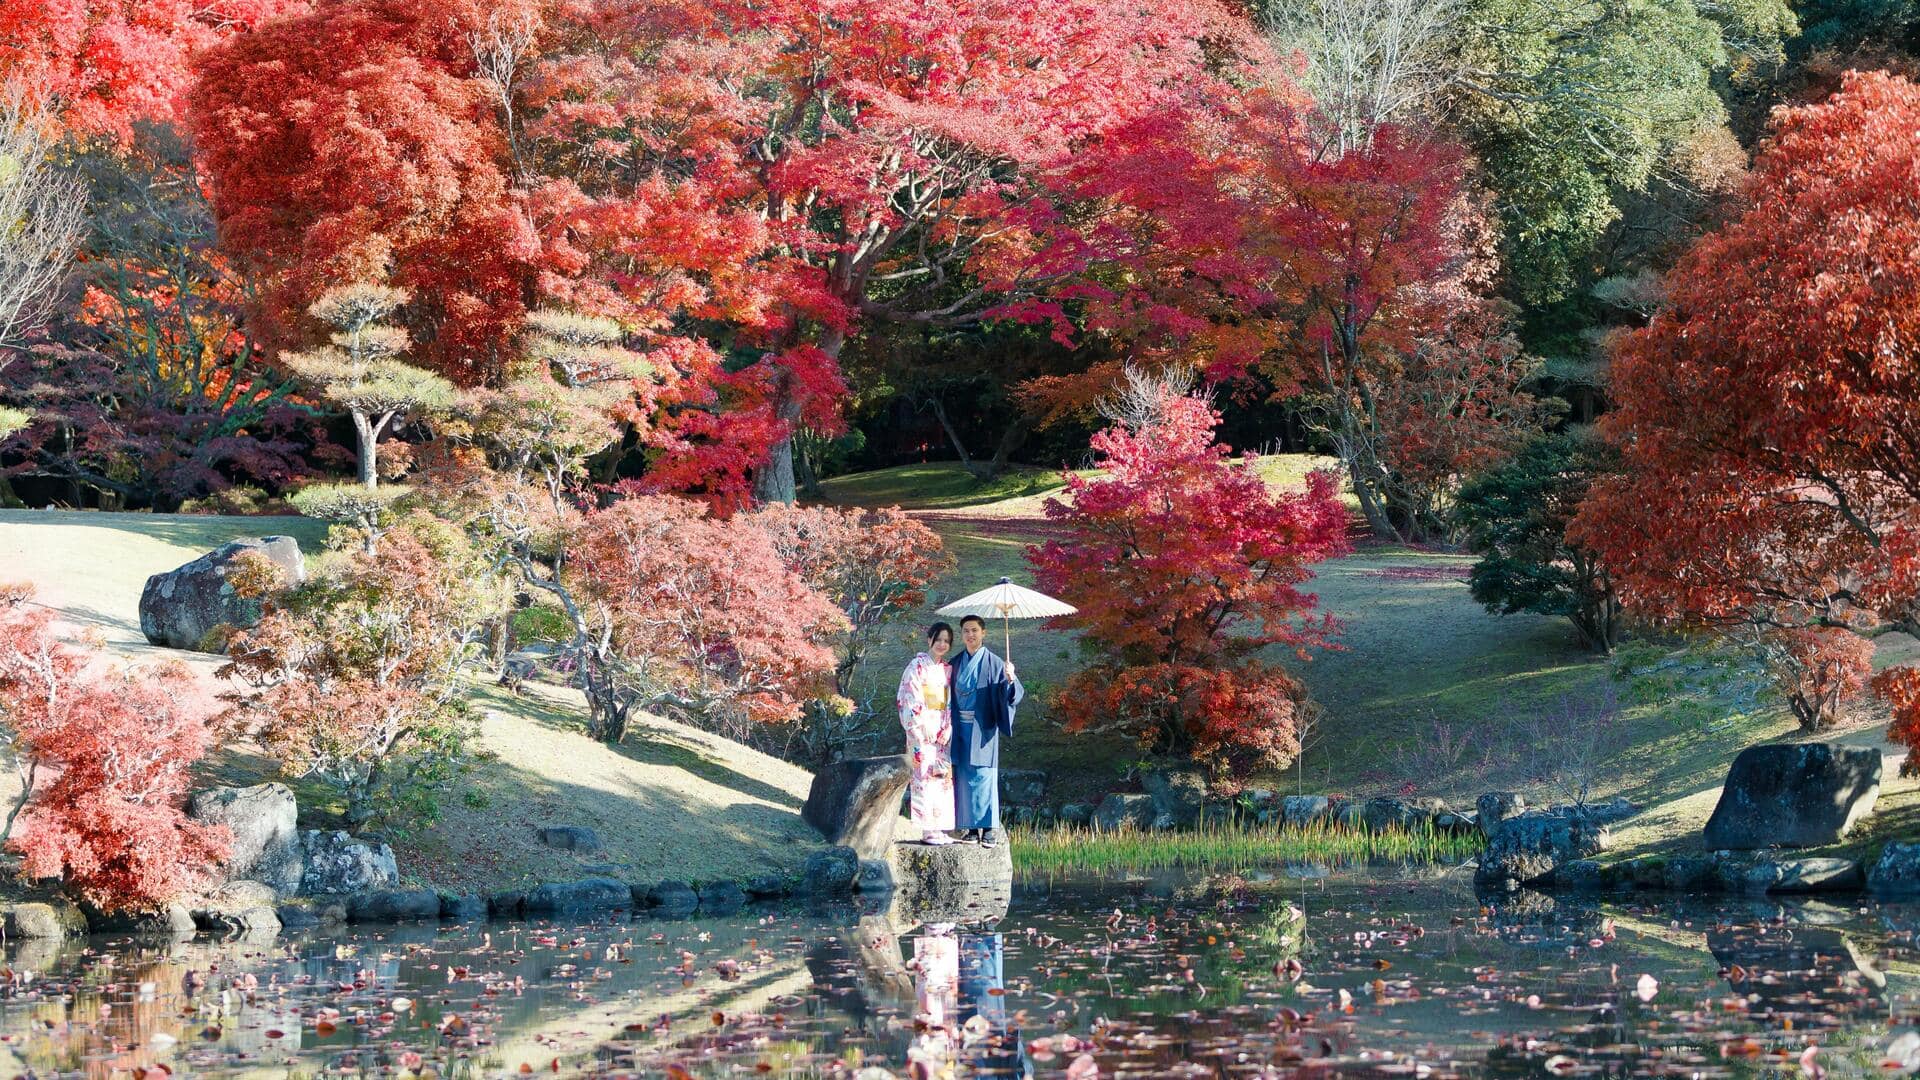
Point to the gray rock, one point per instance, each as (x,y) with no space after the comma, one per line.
(1452,821)
(1897,871)
(171,920)
(1402,815)
(767,886)
(179,608)
(507,904)
(337,864)
(1497,806)
(55,918)
(1528,847)
(856,803)
(954,883)
(1180,795)
(266,834)
(672,899)
(587,894)
(1580,875)
(1742,872)
(1118,810)
(1076,814)
(1348,815)
(1163,822)
(1023,787)
(570,838)
(831,872)
(1794,795)
(876,876)
(1300,811)
(468,908)
(294,917)
(393,905)
(238,908)
(722,898)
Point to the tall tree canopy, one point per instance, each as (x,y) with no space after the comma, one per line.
(755,181)
(1766,414)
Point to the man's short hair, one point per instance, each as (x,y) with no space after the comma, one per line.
(965,619)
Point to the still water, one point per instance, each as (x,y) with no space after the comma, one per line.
(1388,972)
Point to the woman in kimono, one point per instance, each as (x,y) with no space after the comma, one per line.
(929,726)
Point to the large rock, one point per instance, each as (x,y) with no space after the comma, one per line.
(1794,795)
(337,864)
(856,803)
(1179,796)
(831,872)
(675,899)
(570,838)
(1118,811)
(393,905)
(587,894)
(181,607)
(1528,848)
(53,918)
(1300,811)
(952,883)
(1385,814)
(266,837)
(238,909)
(1497,806)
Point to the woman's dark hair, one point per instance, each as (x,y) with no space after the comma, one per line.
(934,631)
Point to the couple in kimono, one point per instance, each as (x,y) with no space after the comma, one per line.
(955,710)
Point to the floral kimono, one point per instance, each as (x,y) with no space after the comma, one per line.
(923,713)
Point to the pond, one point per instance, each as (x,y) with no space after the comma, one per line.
(1385,972)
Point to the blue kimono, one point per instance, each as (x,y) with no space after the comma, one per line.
(983,701)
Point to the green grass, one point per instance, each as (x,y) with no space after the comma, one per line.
(1228,846)
(939,485)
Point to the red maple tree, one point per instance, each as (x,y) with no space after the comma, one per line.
(1185,565)
(700,617)
(1765,415)
(747,180)
(110,63)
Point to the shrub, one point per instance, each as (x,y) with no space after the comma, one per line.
(1516,516)
(112,821)
(358,667)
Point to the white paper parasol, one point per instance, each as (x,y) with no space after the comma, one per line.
(1007,601)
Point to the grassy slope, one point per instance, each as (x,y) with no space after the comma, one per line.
(1421,660)
(671,802)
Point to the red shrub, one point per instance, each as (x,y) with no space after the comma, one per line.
(111,823)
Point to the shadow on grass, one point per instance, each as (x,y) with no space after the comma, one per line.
(646,742)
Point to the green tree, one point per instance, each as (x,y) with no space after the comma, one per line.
(360,370)
(1573,105)
(1516,516)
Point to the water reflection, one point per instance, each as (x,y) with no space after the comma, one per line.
(1382,975)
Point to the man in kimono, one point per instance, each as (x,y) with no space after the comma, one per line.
(985,692)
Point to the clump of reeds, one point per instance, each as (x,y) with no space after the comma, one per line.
(1232,845)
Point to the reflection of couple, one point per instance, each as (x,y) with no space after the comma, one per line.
(959,999)
(955,713)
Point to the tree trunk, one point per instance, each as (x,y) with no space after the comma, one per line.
(940,414)
(808,475)
(773,480)
(1010,440)
(367,437)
